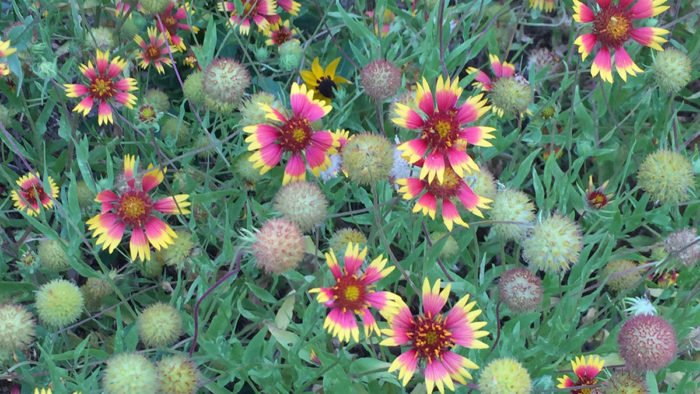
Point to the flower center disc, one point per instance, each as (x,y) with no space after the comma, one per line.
(153,52)
(134,208)
(102,88)
(449,186)
(441,130)
(295,135)
(612,26)
(280,36)
(597,200)
(430,337)
(34,195)
(170,23)
(326,87)
(350,293)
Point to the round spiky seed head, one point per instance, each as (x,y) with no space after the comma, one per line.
(59,303)
(290,54)
(244,167)
(368,158)
(129,373)
(158,99)
(177,375)
(484,184)
(85,196)
(543,58)
(666,176)
(52,256)
(187,179)
(100,287)
(672,69)
(101,38)
(624,281)
(450,248)
(177,253)
(554,244)
(204,141)
(279,246)
(192,88)
(341,238)
(647,342)
(513,206)
(154,6)
(303,203)
(681,244)
(151,268)
(173,129)
(159,325)
(625,382)
(505,376)
(224,84)
(252,111)
(380,79)
(511,95)
(520,290)
(16,328)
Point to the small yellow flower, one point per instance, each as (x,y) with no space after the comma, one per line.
(323,82)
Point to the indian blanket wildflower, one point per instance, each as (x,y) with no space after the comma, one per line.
(451,187)
(442,140)
(5,51)
(154,52)
(353,294)
(596,197)
(546,5)
(431,336)
(133,207)
(290,6)
(169,22)
(509,91)
(262,12)
(33,192)
(294,135)
(278,33)
(323,81)
(585,371)
(104,88)
(613,26)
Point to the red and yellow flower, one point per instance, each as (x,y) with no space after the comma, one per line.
(290,6)
(546,5)
(505,84)
(431,336)
(613,26)
(596,197)
(262,12)
(5,51)
(134,208)
(170,21)
(443,139)
(104,88)
(292,135)
(353,294)
(585,371)
(451,188)
(500,70)
(154,52)
(279,33)
(32,192)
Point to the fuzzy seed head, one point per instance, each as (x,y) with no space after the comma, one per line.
(515,206)
(244,167)
(85,196)
(101,38)
(542,58)
(484,184)
(290,54)
(625,382)
(154,6)
(192,88)
(625,281)
(450,248)
(59,303)
(158,99)
(680,244)
(505,376)
(672,69)
(340,240)
(368,158)
(303,203)
(99,287)
(553,245)
(129,373)
(224,84)
(173,129)
(177,375)
(666,176)
(52,256)
(380,79)
(151,268)
(16,328)
(202,142)
(253,113)
(647,342)
(279,246)
(520,290)
(187,179)
(512,95)
(159,325)
(180,251)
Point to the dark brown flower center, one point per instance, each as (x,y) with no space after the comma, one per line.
(448,188)
(326,87)
(152,52)
(169,22)
(281,36)
(102,88)
(35,195)
(134,207)
(441,130)
(612,26)
(596,199)
(350,293)
(295,134)
(429,336)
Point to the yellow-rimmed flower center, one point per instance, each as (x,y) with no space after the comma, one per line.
(134,208)
(147,113)
(612,26)
(430,337)
(34,195)
(295,134)
(441,130)
(102,88)
(618,26)
(326,87)
(449,187)
(350,293)
(153,52)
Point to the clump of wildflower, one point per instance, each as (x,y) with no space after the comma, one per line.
(483,183)
(154,52)
(159,325)
(303,203)
(252,111)
(625,382)
(129,373)
(505,376)
(380,79)
(323,82)
(596,197)
(520,290)
(59,303)
(647,342)
(52,255)
(176,130)
(16,328)
(512,206)
(104,89)
(101,38)
(180,251)
(290,53)
(353,293)
(624,281)
(224,83)
(508,91)
(292,135)
(262,12)
(431,336)
(613,26)
(192,88)
(682,246)
(585,371)
(639,306)
(672,70)
(32,192)
(341,238)
(553,245)
(666,176)
(367,158)
(133,207)
(177,375)
(279,246)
